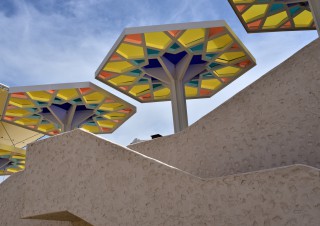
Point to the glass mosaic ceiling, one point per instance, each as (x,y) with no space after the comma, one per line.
(52,109)
(209,52)
(12,139)
(12,135)
(12,160)
(274,15)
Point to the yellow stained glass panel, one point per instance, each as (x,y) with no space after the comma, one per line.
(115,115)
(276,20)
(158,40)
(67,94)
(219,43)
(17,112)
(304,19)
(40,96)
(190,91)
(122,80)
(94,98)
(46,127)
(106,123)
(22,103)
(255,12)
(2,152)
(139,90)
(92,129)
(130,51)
(211,84)
(18,157)
(118,66)
(192,37)
(227,71)
(27,121)
(230,56)
(161,94)
(13,170)
(110,106)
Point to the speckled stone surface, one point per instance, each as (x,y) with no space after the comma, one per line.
(106,184)
(274,122)
(12,192)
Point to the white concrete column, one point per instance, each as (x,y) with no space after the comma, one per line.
(179,106)
(315,7)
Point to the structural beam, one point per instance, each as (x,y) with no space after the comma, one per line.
(175,62)
(179,106)
(315,7)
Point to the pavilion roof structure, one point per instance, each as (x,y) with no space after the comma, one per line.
(12,135)
(12,140)
(12,159)
(276,15)
(56,108)
(133,65)
(190,60)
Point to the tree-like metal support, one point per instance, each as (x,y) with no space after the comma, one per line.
(315,7)
(175,62)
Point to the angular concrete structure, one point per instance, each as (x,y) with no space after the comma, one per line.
(259,167)
(106,184)
(274,122)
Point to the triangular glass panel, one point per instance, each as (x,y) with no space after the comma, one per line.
(213,65)
(210,56)
(155,86)
(138,62)
(197,48)
(152,52)
(135,72)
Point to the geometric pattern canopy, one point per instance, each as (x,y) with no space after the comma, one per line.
(141,62)
(12,135)
(12,139)
(12,159)
(52,109)
(274,15)
(17,136)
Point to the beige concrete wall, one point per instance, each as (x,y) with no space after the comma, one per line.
(12,203)
(273,122)
(106,184)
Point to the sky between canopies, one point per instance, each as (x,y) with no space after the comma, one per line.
(58,41)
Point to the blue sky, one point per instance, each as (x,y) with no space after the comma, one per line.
(58,41)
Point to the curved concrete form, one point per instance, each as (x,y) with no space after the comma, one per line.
(106,184)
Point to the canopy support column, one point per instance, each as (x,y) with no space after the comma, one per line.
(179,106)
(315,8)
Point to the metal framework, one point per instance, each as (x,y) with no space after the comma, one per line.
(278,15)
(52,109)
(175,62)
(12,159)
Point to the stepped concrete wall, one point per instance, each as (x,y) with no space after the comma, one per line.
(79,176)
(274,122)
(106,184)
(12,196)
